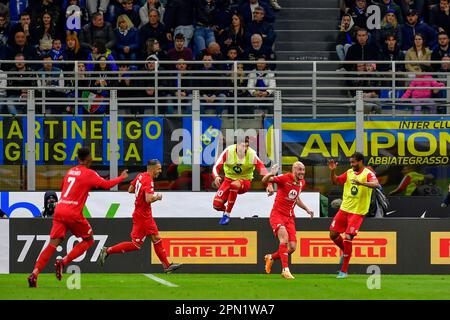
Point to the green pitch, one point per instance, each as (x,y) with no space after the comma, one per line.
(226,286)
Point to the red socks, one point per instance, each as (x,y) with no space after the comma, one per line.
(77,251)
(339,242)
(347,254)
(275,255)
(283,253)
(161,253)
(232,196)
(43,259)
(122,248)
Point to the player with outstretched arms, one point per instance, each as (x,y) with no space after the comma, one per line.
(238,162)
(358,183)
(68,215)
(282,216)
(143,223)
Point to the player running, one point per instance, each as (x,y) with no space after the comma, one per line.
(143,223)
(359,183)
(238,162)
(77,183)
(282,217)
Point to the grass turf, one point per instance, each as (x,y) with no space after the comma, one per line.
(226,286)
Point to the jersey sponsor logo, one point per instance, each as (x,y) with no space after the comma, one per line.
(209,247)
(354,190)
(237,168)
(315,247)
(293,194)
(440,247)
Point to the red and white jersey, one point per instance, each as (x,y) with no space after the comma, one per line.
(288,192)
(76,185)
(143,183)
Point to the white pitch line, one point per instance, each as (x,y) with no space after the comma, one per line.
(162,281)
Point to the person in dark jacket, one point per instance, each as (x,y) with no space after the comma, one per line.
(389,25)
(156,30)
(258,25)
(246,11)
(22,82)
(20,45)
(127,44)
(361,50)
(442,51)
(440,17)
(359,13)
(234,36)
(391,6)
(346,36)
(205,24)
(413,26)
(390,51)
(98,29)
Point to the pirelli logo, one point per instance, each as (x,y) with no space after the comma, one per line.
(209,247)
(315,247)
(440,247)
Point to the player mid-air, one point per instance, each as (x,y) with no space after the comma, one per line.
(238,162)
(143,223)
(282,216)
(359,183)
(68,215)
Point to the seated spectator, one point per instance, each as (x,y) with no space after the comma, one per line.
(346,36)
(215,51)
(98,29)
(417,5)
(390,6)
(442,51)
(414,26)
(359,13)
(440,17)
(259,26)
(210,98)
(389,26)
(44,34)
(23,79)
(204,15)
(257,50)
(24,26)
(234,36)
(57,53)
(127,9)
(156,30)
(97,96)
(179,18)
(422,96)
(180,51)
(144,10)
(127,43)
(73,49)
(127,85)
(154,49)
(100,51)
(37,8)
(246,11)
(148,87)
(81,81)
(390,51)
(5,30)
(51,78)
(361,50)
(20,45)
(261,82)
(76,16)
(418,52)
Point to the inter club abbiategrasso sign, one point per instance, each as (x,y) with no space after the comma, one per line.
(173,204)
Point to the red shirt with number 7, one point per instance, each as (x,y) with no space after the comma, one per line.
(76,185)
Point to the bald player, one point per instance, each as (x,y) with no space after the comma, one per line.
(282,217)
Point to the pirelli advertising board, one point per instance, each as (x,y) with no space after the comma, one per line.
(396,245)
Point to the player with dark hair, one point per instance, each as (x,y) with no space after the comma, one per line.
(238,162)
(282,216)
(68,215)
(143,223)
(359,183)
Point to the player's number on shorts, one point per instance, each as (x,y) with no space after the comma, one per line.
(71,181)
(138,187)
